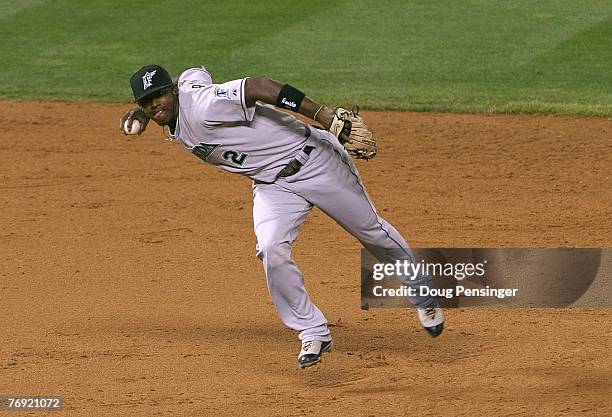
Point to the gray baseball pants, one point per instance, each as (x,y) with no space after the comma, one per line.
(329,180)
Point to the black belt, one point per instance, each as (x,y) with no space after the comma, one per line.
(294,166)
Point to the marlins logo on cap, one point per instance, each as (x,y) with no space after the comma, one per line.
(146,79)
(149,79)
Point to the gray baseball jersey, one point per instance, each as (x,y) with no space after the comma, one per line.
(217,126)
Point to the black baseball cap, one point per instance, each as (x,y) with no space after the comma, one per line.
(149,79)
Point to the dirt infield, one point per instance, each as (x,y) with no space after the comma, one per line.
(130,287)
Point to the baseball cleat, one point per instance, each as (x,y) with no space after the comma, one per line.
(432,319)
(311,352)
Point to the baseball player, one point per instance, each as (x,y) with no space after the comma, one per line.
(238,127)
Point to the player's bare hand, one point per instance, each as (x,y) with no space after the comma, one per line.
(125,124)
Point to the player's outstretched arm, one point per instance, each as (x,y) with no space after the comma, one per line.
(285,96)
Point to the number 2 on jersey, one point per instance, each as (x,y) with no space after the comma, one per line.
(235,156)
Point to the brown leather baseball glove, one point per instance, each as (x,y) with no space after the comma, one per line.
(353,133)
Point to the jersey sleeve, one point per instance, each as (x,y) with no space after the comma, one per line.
(216,103)
(227,103)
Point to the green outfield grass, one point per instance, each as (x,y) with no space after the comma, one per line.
(446,55)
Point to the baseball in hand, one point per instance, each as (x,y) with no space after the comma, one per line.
(135,127)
